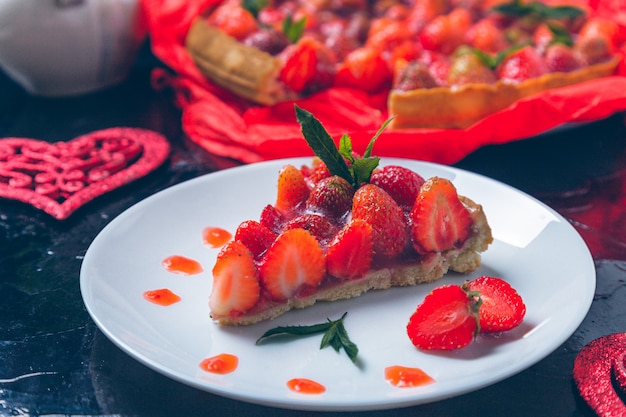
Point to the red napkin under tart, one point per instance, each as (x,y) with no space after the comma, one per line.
(232,128)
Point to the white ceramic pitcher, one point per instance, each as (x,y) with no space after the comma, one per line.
(68,47)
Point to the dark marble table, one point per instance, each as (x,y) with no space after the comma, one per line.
(55,361)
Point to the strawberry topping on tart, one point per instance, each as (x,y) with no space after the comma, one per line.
(440,63)
(341,227)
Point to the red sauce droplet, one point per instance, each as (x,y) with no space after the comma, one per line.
(162,297)
(404,377)
(181,265)
(305,386)
(224,363)
(215,236)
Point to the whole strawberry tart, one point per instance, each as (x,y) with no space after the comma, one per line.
(340,227)
(438,63)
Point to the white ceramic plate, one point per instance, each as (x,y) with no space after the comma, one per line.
(535,249)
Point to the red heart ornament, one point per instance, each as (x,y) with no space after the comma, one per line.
(600,377)
(58,178)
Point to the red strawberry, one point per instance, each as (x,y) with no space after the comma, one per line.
(424,11)
(294,261)
(318,171)
(235,281)
(412,76)
(350,254)
(521,65)
(467,67)
(255,236)
(233,20)
(315,224)
(447,319)
(561,58)
(445,32)
(292,189)
(306,65)
(363,68)
(272,219)
(401,183)
(502,307)
(440,221)
(386,34)
(331,197)
(389,230)
(486,36)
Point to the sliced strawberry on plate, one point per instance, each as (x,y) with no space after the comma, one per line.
(235,281)
(294,260)
(255,236)
(502,307)
(350,254)
(389,230)
(439,220)
(402,184)
(447,319)
(292,189)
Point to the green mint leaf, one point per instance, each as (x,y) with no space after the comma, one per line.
(335,335)
(295,330)
(293,30)
(539,10)
(345,148)
(370,145)
(254,6)
(560,34)
(322,144)
(362,169)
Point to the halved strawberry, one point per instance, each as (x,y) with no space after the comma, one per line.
(389,230)
(350,254)
(235,281)
(255,236)
(502,307)
(292,189)
(295,260)
(447,319)
(402,184)
(439,220)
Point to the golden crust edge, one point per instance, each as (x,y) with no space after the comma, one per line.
(447,108)
(241,69)
(463,260)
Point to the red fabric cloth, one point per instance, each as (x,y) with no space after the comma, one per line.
(232,128)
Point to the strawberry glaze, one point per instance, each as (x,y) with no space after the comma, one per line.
(215,237)
(305,386)
(182,265)
(405,377)
(224,363)
(163,297)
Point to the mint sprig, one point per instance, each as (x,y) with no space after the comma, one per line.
(359,170)
(517,8)
(335,335)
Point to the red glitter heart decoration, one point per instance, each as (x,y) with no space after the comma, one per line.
(599,374)
(59,178)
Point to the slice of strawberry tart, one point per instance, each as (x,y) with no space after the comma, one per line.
(341,227)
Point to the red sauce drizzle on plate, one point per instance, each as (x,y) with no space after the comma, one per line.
(215,236)
(162,297)
(181,265)
(404,377)
(305,386)
(224,363)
